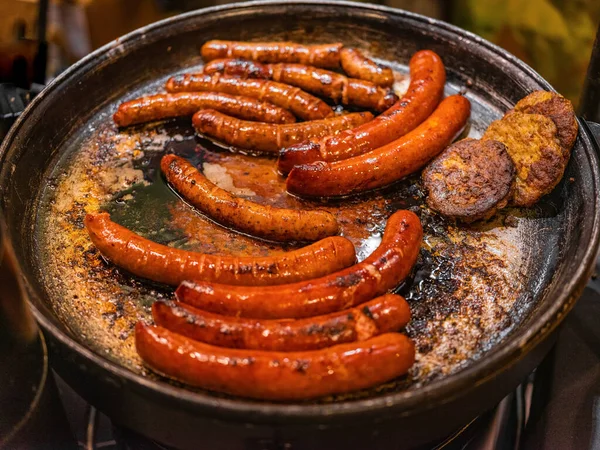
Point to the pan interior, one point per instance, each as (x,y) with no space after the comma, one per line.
(473,285)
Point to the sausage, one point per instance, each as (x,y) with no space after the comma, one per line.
(171,266)
(382,315)
(268,222)
(303,105)
(424,93)
(386,164)
(359,66)
(323,55)
(267,137)
(383,270)
(163,106)
(337,87)
(274,375)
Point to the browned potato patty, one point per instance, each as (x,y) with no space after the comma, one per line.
(532,142)
(470,180)
(557,108)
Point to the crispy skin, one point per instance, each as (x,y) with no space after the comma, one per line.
(170,265)
(382,315)
(557,108)
(359,66)
(324,83)
(163,106)
(269,137)
(276,375)
(532,142)
(470,180)
(268,222)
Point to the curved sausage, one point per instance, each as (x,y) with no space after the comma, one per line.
(359,66)
(170,265)
(338,87)
(424,93)
(322,55)
(273,375)
(384,314)
(303,105)
(268,137)
(163,106)
(386,164)
(268,222)
(383,270)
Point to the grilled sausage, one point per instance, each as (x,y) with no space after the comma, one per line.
(424,93)
(387,266)
(324,55)
(268,222)
(386,164)
(359,66)
(170,265)
(163,106)
(382,315)
(300,103)
(339,88)
(274,375)
(267,137)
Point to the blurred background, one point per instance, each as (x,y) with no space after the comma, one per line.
(553,36)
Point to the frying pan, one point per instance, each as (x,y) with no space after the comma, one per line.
(561,236)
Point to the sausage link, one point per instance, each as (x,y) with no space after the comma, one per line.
(274,375)
(267,137)
(302,104)
(383,270)
(163,106)
(170,265)
(359,66)
(424,94)
(386,164)
(322,55)
(338,87)
(384,314)
(268,222)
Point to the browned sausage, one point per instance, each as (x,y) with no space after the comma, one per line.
(274,375)
(386,164)
(424,93)
(358,65)
(387,266)
(268,222)
(163,106)
(338,87)
(170,265)
(323,55)
(303,105)
(268,137)
(384,314)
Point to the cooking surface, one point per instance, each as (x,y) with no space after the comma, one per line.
(467,292)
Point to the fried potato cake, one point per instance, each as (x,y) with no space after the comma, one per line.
(470,180)
(533,144)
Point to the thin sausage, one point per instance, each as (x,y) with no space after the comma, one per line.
(322,55)
(424,93)
(302,104)
(384,314)
(268,137)
(268,222)
(383,270)
(273,375)
(386,164)
(359,66)
(337,87)
(163,106)
(170,265)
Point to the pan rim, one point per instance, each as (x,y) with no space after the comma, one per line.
(402,403)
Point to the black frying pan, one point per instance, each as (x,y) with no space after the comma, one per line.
(559,239)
